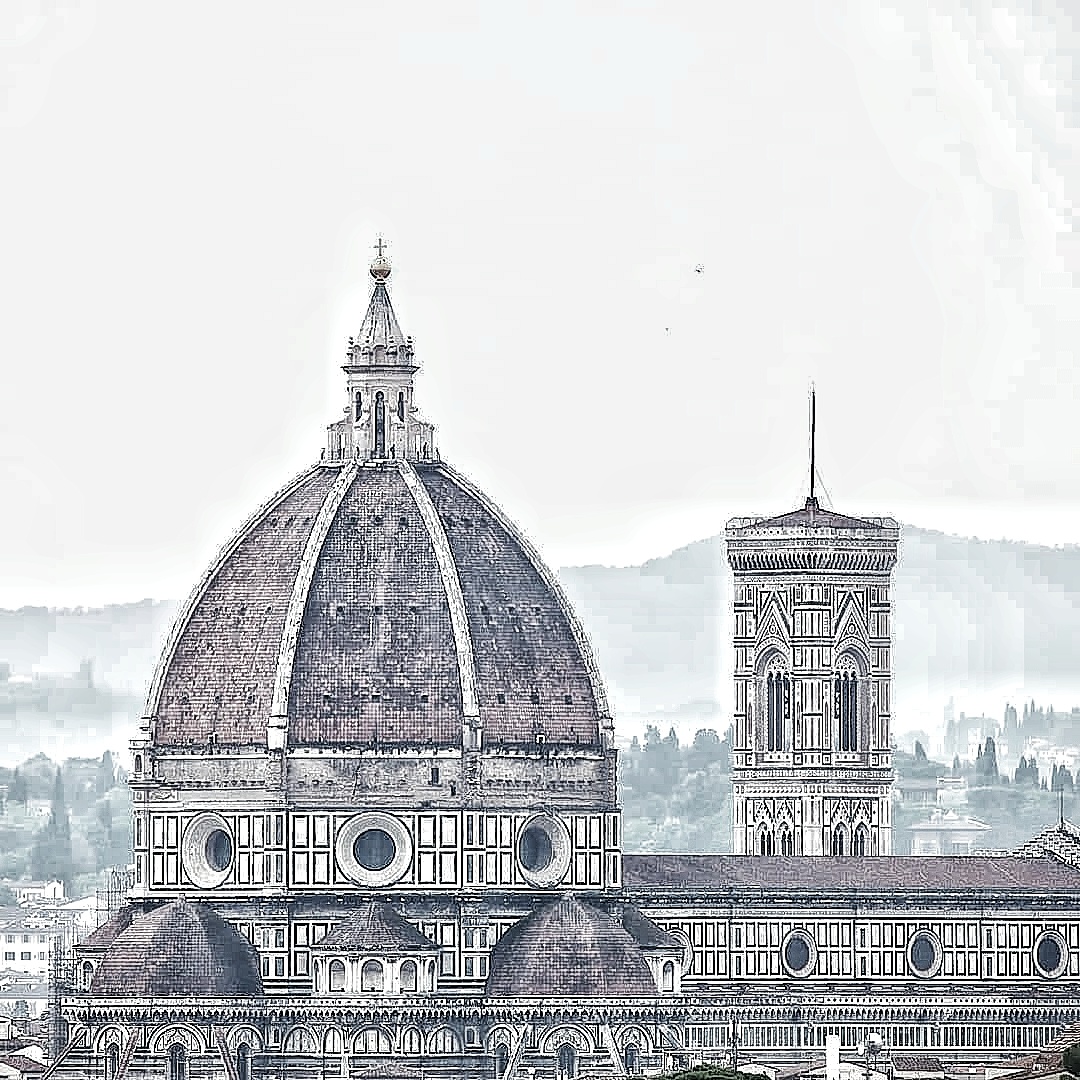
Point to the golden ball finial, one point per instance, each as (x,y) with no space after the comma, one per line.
(380,265)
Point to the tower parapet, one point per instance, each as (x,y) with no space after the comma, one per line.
(811,757)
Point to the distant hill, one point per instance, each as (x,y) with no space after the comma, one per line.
(972,617)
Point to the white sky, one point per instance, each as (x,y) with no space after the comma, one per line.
(882,202)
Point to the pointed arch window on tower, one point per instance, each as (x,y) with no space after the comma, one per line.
(859,841)
(786,845)
(846,707)
(380,424)
(357,406)
(777,709)
(401,405)
(765,843)
(839,841)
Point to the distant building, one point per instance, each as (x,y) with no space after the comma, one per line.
(27,942)
(947,833)
(917,791)
(30,892)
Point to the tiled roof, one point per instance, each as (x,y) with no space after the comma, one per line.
(380,325)
(568,949)
(375,927)
(179,950)
(652,875)
(26,1065)
(1060,841)
(645,932)
(220,677)
(916,1063)
(812,516)
(109,930)
(532,677)
(376,658)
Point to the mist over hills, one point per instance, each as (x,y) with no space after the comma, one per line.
(978,619)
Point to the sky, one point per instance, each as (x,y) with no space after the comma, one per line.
(881,200)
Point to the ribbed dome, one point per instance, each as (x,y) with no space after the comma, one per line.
(568,949)
(377,603)
(179,950)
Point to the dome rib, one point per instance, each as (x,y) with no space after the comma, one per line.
(294,618)
(581,639)
(452,585)
(183,616)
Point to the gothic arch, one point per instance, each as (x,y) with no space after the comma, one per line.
(444,1040)
(177,1034)
(574,1034)
(244,1033)
(373,1039)
(498,1034)
(839,840)
(411,1041)
(772,651)
(299,1039)
(112,1033)
(633,1034)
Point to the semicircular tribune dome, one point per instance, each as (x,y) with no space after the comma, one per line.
(378,599)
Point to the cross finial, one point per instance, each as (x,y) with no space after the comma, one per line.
(380,265)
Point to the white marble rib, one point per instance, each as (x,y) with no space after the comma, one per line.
(153,698)
(451,583)
(294,617)
(549,579)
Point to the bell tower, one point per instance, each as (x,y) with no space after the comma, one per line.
(811,758)
(380,418)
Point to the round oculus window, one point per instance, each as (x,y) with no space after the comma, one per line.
(924,955)
(1051,954)
(206,850)
(374,849)
(219,850)
(534,849)
(798,953)
(543,851)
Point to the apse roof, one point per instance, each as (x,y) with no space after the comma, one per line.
(178,950)
(567,948)
(375,927)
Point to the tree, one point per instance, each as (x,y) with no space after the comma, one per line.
(986,770)
(51,855)
(19,791)
(106,778)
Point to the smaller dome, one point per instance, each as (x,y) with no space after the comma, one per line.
(178,950)
(568,949)
(375,928)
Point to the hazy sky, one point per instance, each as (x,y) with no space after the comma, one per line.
(882,198)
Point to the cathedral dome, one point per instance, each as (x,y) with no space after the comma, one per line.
(178,950)
(376,602)
(569,949)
